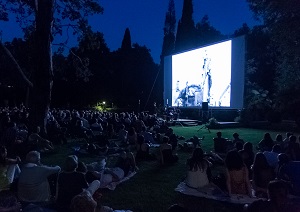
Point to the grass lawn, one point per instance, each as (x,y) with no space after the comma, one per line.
(152,188)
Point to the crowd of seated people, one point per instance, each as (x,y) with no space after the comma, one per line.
(135,134)
(247,170)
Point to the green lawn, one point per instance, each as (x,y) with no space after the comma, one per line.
(152,188)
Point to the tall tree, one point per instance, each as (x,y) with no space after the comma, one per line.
(186,33)
(46,19)
(206,33)
(169,31)
(167,47)
(282,20)
(126,42)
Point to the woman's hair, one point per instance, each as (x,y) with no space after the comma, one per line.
(267,136)
(83,202)
(278,137)
(260,162)
(71,163)
(196,160)
(248,147)
(234,161)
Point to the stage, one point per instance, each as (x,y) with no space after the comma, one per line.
(193,122)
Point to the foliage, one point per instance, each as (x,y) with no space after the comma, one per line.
(282,21)
(126,42)
(169,31)
(186,31)
(206,33)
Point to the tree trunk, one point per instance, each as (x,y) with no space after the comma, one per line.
(42,78)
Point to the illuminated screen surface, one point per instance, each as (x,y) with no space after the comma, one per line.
(212,74)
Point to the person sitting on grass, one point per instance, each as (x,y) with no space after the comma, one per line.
(33,184)
(237,177)
(236,138)
(36,142)
(278,200)
(247,155)
(272,156)
(9,169)
(142,148)
(166,153)
(263,173)
(198,174)
(293,149)
(98,170)
(266,144)
(69,183)
(290,171)
(220,144)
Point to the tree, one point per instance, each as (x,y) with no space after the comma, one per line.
(9,75)
(186,32)
(206,33)
(282,20)
(169,31)
(244,30)
(45,19)
(126,42)
(168,45)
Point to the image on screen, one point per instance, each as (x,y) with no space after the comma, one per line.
(202,75)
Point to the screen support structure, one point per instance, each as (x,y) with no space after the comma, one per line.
(205,116)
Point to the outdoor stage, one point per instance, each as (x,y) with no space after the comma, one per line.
(192,122)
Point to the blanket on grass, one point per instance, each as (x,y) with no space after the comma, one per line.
(213,192)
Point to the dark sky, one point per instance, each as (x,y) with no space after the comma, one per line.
(145,19)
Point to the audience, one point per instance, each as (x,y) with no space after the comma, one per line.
(33,184)
(237,139)
(69,183)
(263,173)
(278,200)
(198,173)
(74,193)
(38,143)
(142,150)
(166,153)
(267,143)
(9,169)
(293,148)
(220,144)
(247,155)
(85,202)
(272,156)
(290,171)
(237,179)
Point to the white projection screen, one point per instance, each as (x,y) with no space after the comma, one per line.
(212,74)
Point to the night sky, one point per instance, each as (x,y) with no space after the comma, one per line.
(145,19)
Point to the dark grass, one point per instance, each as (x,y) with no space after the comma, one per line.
(152,188)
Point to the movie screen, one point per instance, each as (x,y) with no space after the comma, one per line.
(212,74)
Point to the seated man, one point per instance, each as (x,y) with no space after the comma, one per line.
(220,143)
(33,185)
